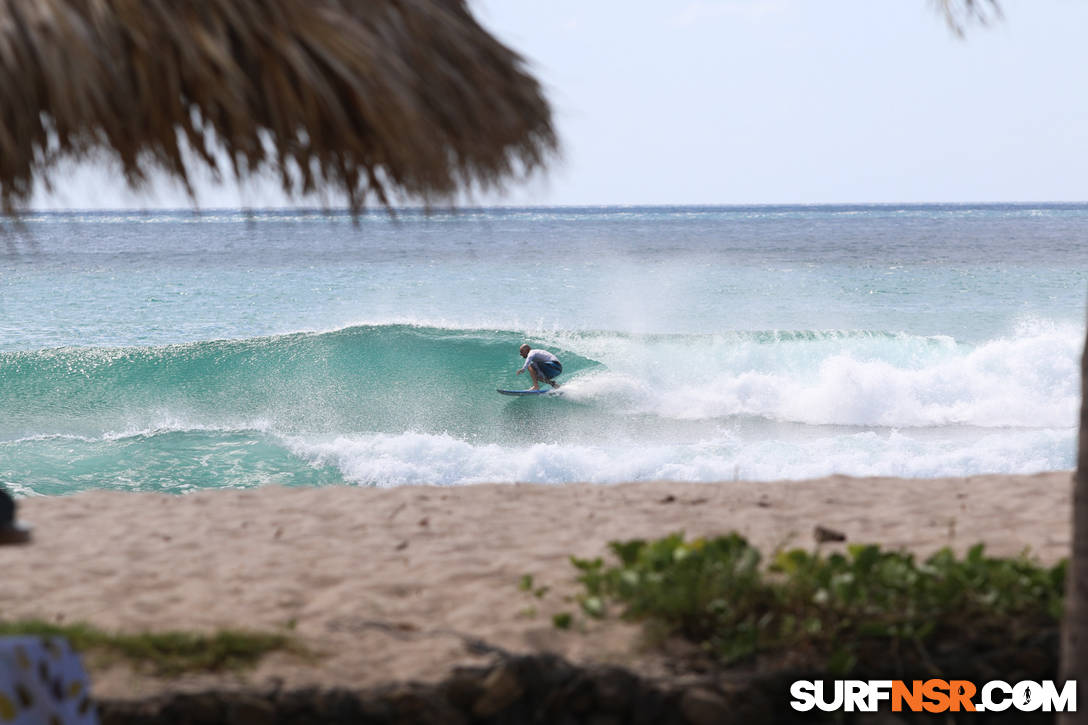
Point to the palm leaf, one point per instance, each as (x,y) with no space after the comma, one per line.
(377,99)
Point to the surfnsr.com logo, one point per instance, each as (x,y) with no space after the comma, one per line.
(933,696)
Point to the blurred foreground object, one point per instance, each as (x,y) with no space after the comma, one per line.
(11,531)
(42,681)
(392,99)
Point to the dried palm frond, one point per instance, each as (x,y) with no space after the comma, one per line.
(369,97)
(959,13)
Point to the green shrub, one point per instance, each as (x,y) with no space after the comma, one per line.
(832,608)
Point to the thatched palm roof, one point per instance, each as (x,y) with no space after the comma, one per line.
(959,13)
(384,97)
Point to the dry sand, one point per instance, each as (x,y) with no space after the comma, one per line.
(379,581)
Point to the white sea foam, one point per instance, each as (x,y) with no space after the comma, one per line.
(1027,380)
(414,458)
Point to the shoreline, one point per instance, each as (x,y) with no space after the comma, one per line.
(386,584)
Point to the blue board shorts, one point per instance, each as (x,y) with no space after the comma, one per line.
(548,370)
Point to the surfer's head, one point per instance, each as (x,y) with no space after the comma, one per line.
(524,350)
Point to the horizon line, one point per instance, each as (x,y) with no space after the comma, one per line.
(508,207)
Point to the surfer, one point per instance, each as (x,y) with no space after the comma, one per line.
(542,366)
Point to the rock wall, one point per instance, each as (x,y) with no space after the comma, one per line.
(547,689)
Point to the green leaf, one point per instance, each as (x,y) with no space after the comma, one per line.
(587,564)
(628,551)
(593,606)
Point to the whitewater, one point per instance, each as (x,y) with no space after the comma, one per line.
(175,351)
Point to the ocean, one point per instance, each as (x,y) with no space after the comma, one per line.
(175,351)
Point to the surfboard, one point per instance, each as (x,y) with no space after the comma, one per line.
(525,392)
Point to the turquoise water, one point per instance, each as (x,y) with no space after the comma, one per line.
(175,351)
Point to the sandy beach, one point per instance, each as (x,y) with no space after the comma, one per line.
(385,583)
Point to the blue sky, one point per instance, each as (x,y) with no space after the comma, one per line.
(776,101)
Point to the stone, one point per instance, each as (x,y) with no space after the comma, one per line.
(463,688)
(824,534)
(197,709)
(605,719)
(701,706)
(419,704)
(501,688)
(614,689)
(249,710)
